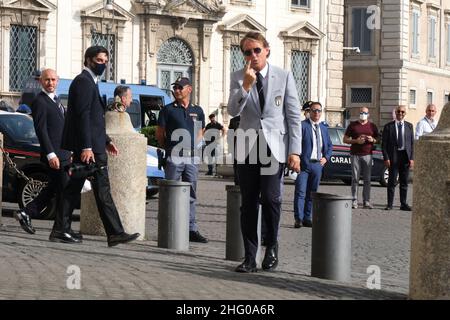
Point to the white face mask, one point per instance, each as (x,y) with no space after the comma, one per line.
(363,117)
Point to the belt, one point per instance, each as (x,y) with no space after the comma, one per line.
(314,160)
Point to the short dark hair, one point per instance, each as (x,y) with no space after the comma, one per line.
(93,51)
(212,115)
(316,102)
(121,91)
(254,36)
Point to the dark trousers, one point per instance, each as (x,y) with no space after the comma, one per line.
(399,166)
(256,188)
(102,192)
(57,180)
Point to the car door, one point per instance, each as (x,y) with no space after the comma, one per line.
(339,166)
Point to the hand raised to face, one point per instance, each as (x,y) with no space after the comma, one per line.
(249,77)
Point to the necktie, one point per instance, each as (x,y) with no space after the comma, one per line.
(319,148)
(58,103)
(400,135)
(259,87)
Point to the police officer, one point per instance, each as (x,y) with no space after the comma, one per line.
(179,132)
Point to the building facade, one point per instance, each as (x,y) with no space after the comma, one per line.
(404,56)
(156,41)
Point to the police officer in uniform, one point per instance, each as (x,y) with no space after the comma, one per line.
(180,132)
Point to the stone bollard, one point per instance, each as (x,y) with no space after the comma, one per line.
(127,176)
(331,245)
(1,178)
(234,243)
(429,276)
(173,214)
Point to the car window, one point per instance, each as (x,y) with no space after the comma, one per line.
(19,128)
(334,136)
(341,133)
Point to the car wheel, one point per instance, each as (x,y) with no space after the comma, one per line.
(385,178)
(28,192)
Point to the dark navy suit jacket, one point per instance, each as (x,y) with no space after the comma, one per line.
(307,143)
(85,119)
(49,125)
(389,141)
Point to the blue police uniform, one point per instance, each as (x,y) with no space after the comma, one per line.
(183,125)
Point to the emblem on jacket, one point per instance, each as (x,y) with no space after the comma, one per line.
(278,101)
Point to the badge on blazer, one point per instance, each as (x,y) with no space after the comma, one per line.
(278,101)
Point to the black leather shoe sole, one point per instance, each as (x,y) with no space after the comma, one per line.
(64,239)
(243,268)
(27,227)
(115,242)
(270,267)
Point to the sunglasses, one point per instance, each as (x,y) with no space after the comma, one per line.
(316,110)
(400,111)
(363,113)
(249,52)
(177,88)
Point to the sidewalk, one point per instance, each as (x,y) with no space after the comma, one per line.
(34,268)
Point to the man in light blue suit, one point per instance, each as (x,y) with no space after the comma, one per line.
(268,138)
(317,149)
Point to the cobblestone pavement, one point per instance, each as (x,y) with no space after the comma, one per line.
(31,267)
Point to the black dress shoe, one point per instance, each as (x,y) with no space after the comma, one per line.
(115,239)
(307,223)
(76,235)
(195,236)
(246,267)
(298,223)
(25,221)
(405,207)
(270,261)
(388,208)
(63,237)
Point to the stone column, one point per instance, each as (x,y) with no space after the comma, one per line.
(430,235)
(1,178)
(128,178)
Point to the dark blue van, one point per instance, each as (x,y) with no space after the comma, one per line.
(144,109)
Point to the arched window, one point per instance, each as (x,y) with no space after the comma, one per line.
(175,59)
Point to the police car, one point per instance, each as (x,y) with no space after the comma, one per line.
(339,167)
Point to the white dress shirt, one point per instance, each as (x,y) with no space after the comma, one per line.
(425,126)
(403,131)
(314,135)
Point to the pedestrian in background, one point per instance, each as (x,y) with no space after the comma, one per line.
(361,135)
(398,154)
(316,152)
(181,123)
(213,132)
(427,124)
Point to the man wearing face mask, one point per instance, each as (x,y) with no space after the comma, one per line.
(362,135)
(85,135)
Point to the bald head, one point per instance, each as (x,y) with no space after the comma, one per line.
(431,111)
(49,80)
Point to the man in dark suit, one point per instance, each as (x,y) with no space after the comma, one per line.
(48,116)
(85,135)
(316,152)
(398,154)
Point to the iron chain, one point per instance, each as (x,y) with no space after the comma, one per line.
(19,172)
